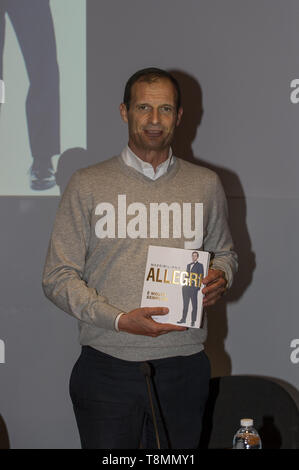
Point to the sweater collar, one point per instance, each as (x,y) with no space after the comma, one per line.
(131,159)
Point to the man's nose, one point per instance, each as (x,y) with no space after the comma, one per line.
(155,116)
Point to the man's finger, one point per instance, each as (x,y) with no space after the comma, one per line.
(213,296)
(149,311)
(212,276)
(217,284)
(168,327)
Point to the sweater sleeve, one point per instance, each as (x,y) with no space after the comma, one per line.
(218,240)
(63,277)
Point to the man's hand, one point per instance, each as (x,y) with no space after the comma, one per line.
(215,286)
(140,322)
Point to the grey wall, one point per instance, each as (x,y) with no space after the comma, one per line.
(235,60)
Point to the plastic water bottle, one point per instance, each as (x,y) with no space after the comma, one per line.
(247,436)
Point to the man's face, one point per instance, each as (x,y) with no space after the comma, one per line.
(152,116)
(194,257)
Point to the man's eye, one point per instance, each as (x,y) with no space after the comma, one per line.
(143,107)
(167,109)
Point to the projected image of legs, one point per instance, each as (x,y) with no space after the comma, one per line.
(31,118)
(33,25)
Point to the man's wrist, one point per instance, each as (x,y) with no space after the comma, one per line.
(117,320)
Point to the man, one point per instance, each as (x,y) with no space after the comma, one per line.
(101,234)
(190,292)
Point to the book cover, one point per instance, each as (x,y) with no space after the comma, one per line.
(173,279)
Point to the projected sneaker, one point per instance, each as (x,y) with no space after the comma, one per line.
(41,178)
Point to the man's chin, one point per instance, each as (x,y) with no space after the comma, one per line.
(154,144)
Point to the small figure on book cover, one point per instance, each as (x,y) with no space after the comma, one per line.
(190,292)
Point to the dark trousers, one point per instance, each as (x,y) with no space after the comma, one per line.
(112,408)
(190,293)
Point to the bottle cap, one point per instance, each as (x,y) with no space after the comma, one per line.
(246,422)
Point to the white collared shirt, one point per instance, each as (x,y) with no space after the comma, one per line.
(131,159)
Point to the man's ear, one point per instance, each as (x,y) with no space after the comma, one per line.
(179,116)
(123,112)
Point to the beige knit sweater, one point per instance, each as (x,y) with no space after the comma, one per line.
(107,217)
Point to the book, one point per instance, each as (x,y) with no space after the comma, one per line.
(173,279)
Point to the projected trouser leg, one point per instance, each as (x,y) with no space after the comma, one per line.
(33,25)
(2,31)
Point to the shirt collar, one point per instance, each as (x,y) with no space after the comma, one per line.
(131,159)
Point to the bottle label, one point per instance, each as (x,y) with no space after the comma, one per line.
(251,439)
